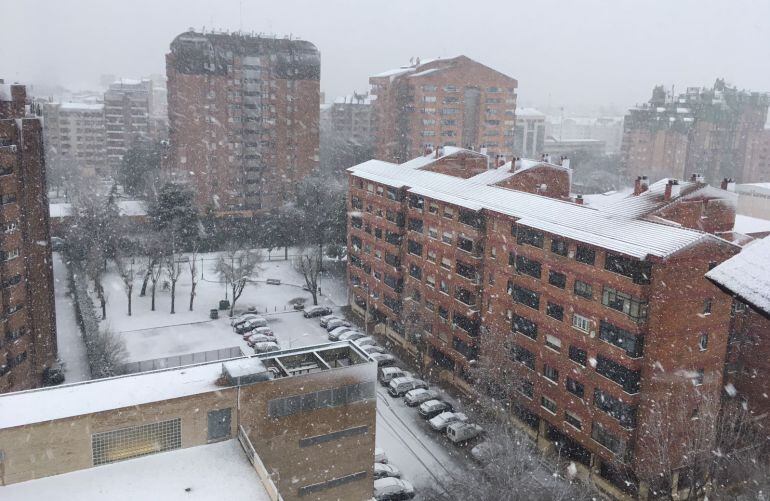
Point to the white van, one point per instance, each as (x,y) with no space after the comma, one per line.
(386,374)
(400,385)
(460,432)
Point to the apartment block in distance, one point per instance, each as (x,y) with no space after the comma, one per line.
(443,102)
(709,131)
(27,313)
(127,104)
(297,424)
(75,136)
(585,320)
(243,117)
(351,118)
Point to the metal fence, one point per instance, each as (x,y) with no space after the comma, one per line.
(180,360)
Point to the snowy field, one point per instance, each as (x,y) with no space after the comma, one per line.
(155,334)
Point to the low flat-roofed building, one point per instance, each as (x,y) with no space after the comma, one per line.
(305,418)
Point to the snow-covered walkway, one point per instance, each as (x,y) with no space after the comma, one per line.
(72,348)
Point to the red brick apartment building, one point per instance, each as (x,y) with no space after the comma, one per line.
(442,102)
(27,314)
(584,320)
(243,117)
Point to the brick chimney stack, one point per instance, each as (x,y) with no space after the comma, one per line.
(579,199)
(672,190)
(723,185)
(641,185)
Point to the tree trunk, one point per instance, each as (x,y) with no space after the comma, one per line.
(286,253)
(173,294)
(104,308)
(314,292)
(232,305)
(152,302)
(130,291)
(192,295)
(144,283)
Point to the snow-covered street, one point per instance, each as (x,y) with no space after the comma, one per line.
(72,348)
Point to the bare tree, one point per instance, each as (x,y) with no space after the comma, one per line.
(172,263)
(155,271)
(237,265)
(308,263)
(125,265)
(193,266)
(95,271)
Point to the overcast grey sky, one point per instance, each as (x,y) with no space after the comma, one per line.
(568,52)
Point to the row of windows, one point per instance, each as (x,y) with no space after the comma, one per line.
(306,402)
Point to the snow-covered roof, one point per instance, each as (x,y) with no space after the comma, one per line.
(753,188)
(529,112)
(214,471)
(505,171)
(748,224)
(69,400)
(126,208)
(618,233)
(82,106)
(747,274)
(601,200)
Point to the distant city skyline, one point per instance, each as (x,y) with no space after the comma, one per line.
(581,57)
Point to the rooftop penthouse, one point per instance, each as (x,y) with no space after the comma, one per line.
(288,409)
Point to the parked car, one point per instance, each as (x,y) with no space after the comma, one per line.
(317,311)
(385,374)
(373,349)
(298,306)
(392,489)
(382,470)
(366,341)
(462,432)
(352,336)
(325,319)
(335,334)
(483,452)
(380,456)
(400,385)
(266,347)
(415,397)
(440,422)
(337,322)
(383,359)
(57,244)
(433,408)
(267,331)
(251,324)
(236,321)
(259,338)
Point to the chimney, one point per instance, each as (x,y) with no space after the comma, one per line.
(579,199)
(516,164)
(672,190)
(724,183)
(640,185)
(428,150)
(501,161)
(437,155)
(731,184)
(565,163)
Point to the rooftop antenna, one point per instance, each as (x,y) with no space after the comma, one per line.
(240,15)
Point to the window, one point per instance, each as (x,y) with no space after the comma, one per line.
(447,237)
(553,342)
(446,263)
(524,326)
(624,303)
(430,282)
(703,341)
(416,202)
(578,355)
(559,246)
(443,287)
(557,279)
(551,373)
(639,271)
(414,248)
(529,236)
(466,271)
(449,212)
(583,289)
(523,356)
(431,256)
(430,306)
(548,404)
(392,260)
(581,323)
(415,271)
(706,305)
(624,413)
(433,208)
(392,237)
(575,387)
(126,443)
(526,297)
(697,379)
(433,233)
(415,225)
(528,266)
(393,194)
(443,313)
(554,310)
(527,389)
(630,343)
(573,420)
(219,424)
(619,374)
(585,254)
(603,437)
(465,244)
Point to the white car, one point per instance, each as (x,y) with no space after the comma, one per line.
(335,334)
(235,321)
(383,359)
(440,422)
(265,331)
(366,341)
(259,338)
(391,489)
(266,347)
(399,386)
(380,456)
(483,452)
(336,322)
(373,349)
(462,432)
(417,396)
(382,470)
(325,319)
(351,336)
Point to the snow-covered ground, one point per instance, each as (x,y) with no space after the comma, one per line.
(206,472)
(155,334)
(69,339)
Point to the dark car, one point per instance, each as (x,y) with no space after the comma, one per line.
(433,408)
(317,311)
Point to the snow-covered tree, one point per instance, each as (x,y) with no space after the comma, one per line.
(237,265)
(124,262)
(308,263)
